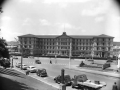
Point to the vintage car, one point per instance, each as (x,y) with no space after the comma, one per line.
(18,65)
(37,61)
(24,67)
(32,69)
(67,79)
(41,72)
(25,56)
(14,57)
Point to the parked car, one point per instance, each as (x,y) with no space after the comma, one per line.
(37,61)
(31,57)
(109,61)
(24,66)
(67,79)
(24,56)
(15,57)
(42,72)
(18,65)
(32,69)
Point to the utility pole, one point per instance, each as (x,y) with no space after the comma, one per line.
(0,13)
(70,54)
(93,50)
(118,55)
(21,52)
(12,56)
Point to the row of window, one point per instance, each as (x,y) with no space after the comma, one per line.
(64,39)
(68,43)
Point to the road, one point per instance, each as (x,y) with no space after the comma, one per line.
(55,69)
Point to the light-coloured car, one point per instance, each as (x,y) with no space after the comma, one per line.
(32,68)
(18,65)
(24,66)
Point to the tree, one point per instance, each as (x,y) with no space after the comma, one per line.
(3,49)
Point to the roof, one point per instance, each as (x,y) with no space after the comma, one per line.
(103,35)
(72,36)
(116,43)
(81,36)
(28,35)
(46,36)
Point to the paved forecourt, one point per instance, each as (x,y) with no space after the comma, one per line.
(54,70)
(46,80)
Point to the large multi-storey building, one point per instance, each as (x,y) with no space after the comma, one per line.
(65,45)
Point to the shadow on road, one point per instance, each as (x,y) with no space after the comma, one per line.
(9,72)
(8,84)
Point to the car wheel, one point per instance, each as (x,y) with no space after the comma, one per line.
(56,81)
(72,86)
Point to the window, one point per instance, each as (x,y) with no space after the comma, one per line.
(29,46)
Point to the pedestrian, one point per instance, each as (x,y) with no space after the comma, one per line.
(50,62)
(27,72)
(115,86)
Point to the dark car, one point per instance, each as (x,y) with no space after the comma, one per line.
(24,56)
(37,61)
(109,61)
(15,57)
(42,72)
(67,79)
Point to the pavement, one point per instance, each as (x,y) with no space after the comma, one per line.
(91,70)
(11,79)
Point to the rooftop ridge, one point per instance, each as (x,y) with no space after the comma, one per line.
(73,36)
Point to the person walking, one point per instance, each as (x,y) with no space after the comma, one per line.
(115,86)
(27,72)
(50,62)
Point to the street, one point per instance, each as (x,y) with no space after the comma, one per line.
(55,69)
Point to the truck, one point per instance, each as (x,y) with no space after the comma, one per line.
(82,82)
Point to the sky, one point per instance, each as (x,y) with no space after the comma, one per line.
(53,17)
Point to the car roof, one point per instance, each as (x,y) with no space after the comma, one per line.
(37,60)
(31,66)
(23,64)
(41,69)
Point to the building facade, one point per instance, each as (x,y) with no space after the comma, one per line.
(12,47)
(116,49)
(65,45)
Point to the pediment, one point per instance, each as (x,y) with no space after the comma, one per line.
(64,36)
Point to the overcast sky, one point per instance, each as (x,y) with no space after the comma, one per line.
(53,17)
